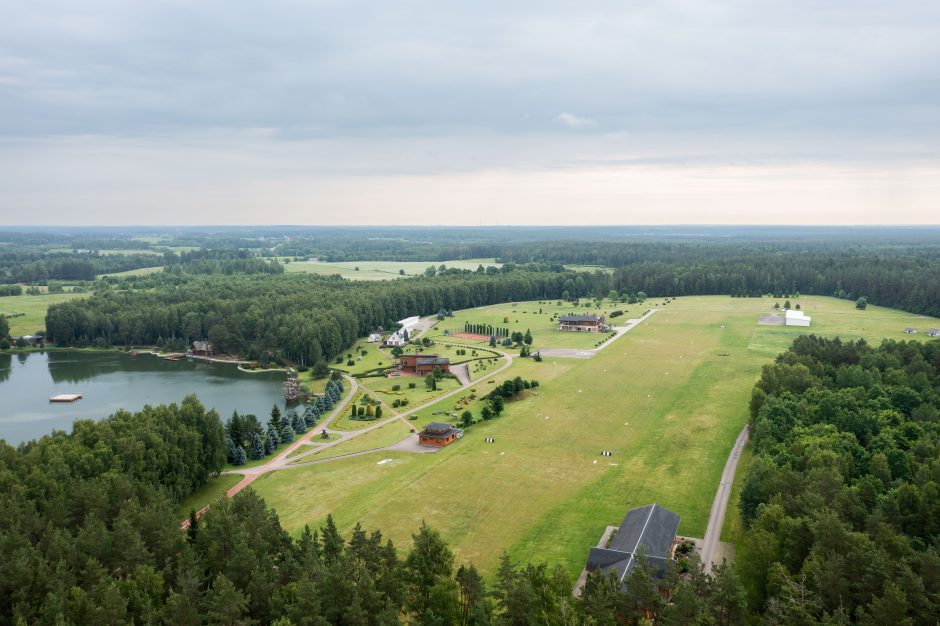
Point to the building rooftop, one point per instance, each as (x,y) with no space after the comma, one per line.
(581,318)
(652,528)
(432,360)
(436,429)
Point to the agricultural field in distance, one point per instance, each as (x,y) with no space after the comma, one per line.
(140,271)
(667,398)
(382,270)
(34,307)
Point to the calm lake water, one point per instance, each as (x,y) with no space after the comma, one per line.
(111,380)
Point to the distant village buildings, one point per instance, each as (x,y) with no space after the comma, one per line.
(374,338)
(933,332)
(582,323)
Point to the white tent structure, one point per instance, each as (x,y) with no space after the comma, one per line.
(409,322)
(796,318)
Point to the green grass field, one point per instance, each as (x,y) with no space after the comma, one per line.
(539,318)
(385,435)
(382,270)
(381,389)
(668,399)
(34,307)
(376,357)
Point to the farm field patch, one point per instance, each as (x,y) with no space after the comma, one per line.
(140,271)
(667,399)
(33,309)
(382,270)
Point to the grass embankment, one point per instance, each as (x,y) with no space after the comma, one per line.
(214,489)
(34,310)
(668,399)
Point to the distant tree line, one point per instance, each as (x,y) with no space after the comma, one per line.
(303,318)
(19,266)
(842,499)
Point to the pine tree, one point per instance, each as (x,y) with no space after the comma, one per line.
(378,412)
(275,420)
(298,424)
(257,447)
(241,457)
(269,445)
(230,452)
(274,437)
(287,433)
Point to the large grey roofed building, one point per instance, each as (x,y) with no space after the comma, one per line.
(651,527)
(577,317)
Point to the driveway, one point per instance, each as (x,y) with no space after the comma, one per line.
(716,518)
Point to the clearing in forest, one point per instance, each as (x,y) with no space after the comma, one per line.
(668,399)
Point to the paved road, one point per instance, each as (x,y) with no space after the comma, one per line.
(584,353)
(717,517)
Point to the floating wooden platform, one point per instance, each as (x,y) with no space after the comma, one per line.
(66,397)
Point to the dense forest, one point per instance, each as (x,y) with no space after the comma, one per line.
(842,499)
(89,536)
(20,266)
(303,318)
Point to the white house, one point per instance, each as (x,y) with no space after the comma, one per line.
(374,338)
(796,318)
(395,340)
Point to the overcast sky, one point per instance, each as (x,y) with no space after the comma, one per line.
(414,112)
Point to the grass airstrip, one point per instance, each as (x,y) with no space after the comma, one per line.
(667,398)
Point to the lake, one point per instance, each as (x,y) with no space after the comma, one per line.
(112,380)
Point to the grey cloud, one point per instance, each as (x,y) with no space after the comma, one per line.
(337,68)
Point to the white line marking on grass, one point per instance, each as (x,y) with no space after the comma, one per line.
(384,461)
